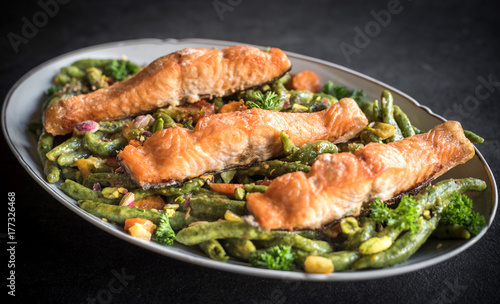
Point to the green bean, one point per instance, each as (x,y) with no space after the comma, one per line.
(95,143)
(392,231)
(107,179)
(474,138)
(403,122)
(451,231)
(72,144)
(69,173)
(417,130)
(79,192)
(202,192)
(220,230)
(377,111)
(239,248)
(62,78)
(84,64)
(95,78)
(288,146)
(388,115)
(68,159)
(73,72)
(367,108)
(366,231)
(190,186)
(50,168)
(113,126)
(279,88)
(181,220)
(297,241)
(214,250)
(342,260)
(312,234)
(273,168)
(443,190)
(308,153)
(118,214)
(214,208)
(225,229)
(168,121)
(255,188)
(52,172)
(284,79)
(404,247)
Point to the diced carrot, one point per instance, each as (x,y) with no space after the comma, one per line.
(234,106)
(306,81)
(147,224)
(227,189)
(150,202)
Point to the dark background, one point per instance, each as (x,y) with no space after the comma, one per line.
(435,51)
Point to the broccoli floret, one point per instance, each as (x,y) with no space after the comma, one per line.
(278,257)
(459,211)
(120,69)
(164,234)
(406,213)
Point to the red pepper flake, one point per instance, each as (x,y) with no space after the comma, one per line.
(96,187)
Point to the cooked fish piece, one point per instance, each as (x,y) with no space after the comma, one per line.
(186,75)
(338,184)
(223,141)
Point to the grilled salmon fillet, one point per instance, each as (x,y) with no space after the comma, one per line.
(338,184)
(186,75)
(226,140)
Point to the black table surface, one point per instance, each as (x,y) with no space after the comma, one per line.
(438,52)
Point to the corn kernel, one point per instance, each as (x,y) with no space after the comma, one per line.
(375,245)
(349,225)
(317,264)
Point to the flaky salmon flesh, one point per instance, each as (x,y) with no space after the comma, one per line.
(183,76)
(339,184)
(228,140)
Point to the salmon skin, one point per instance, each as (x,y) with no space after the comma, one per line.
(223,141)
(186,75)
(339,184)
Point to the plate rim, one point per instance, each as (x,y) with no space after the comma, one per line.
(236,267)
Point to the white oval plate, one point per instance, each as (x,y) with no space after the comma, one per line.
(23,103)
